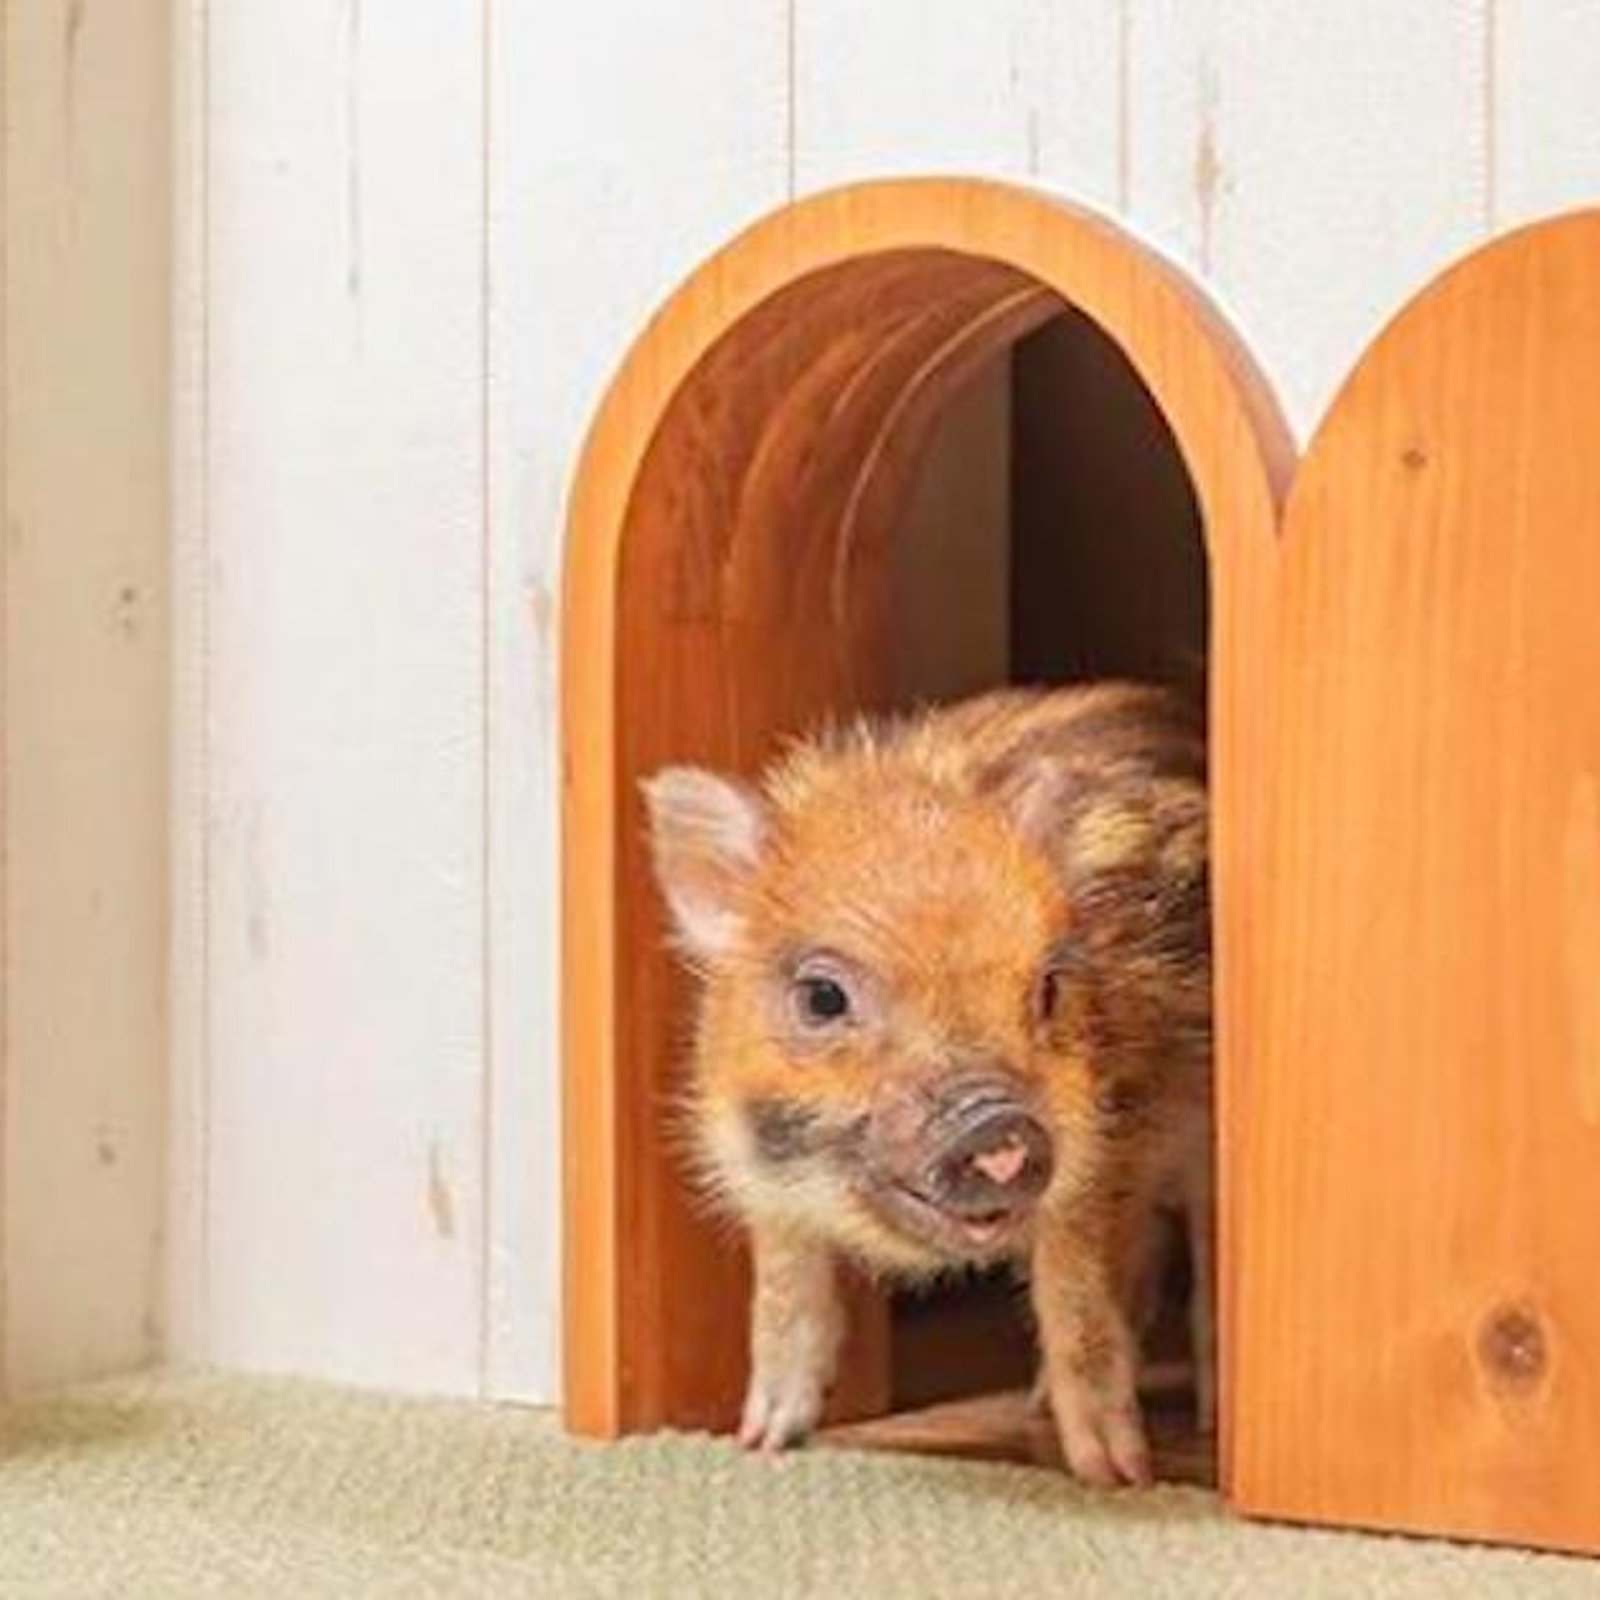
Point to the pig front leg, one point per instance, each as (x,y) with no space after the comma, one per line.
(797,1325)
(1090,1360)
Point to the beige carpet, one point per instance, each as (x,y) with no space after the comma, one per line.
(193,1486)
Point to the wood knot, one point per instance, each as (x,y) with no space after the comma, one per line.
(1413,458)
(1512,1347)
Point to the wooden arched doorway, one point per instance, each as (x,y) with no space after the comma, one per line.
(727,583)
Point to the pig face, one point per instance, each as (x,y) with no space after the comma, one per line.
(890,1047)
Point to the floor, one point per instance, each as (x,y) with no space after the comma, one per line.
(195,1485)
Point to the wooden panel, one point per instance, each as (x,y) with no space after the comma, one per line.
(84,764)
(345,628)
(713,600)
(1419,1151)
(650,133)
(1176,186)
(951,549)
(1544,136)
(1315,163)
(189,838)
(1014,88)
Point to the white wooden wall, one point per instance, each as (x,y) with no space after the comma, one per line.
(84,374)
(416,235)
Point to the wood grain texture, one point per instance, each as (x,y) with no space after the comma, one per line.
(625,141)
(951,548)
(1020,89)
(724,586)
(188,1132)
(346,600)
(1315,164)
(1415,1310)
(84,477)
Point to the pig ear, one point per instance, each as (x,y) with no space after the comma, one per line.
(706,834)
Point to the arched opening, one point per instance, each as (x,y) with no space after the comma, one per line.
(863,381)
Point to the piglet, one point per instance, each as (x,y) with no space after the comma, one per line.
(955,1009)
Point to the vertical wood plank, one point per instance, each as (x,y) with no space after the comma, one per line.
(1419,1154)
(1171,118)
(626,141)
(1545,135)
(186,1293)
(345,709)
(1021,89)
(85,485)
(1315,164)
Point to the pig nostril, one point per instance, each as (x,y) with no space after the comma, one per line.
(996,1160)
(1003,1163)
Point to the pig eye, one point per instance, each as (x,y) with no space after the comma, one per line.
(1056,987)
(1052,987)
(821,1000)
(823,993)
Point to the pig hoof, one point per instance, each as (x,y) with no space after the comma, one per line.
(779,1412)
(1108,1450)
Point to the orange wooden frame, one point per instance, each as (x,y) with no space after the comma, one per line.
(722,588)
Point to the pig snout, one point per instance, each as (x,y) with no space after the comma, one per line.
(990,1153)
